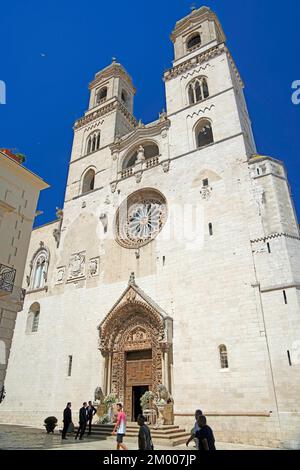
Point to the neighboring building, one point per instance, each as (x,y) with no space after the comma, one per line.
(19,193)
(216,317)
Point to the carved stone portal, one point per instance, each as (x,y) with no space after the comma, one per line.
(132,339)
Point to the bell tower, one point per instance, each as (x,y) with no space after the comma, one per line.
(204,87)
(195,33)
(109,114)
(111,84)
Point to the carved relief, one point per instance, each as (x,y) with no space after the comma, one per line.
(77,265)
(166,166)
(60,275)
(138,335)
(113,187)
(138,176)
(94,267)
(206,193)
(131,295)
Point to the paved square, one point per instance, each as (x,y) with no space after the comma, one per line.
(25,438)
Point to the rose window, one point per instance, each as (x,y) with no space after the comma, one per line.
(140,218)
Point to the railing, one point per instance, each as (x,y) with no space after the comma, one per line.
(7,279)
(150,162)
(127,173)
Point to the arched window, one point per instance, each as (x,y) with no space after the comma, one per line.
(204,134)
(93,142)
(124,97)
(194,42)
(191,95)
(149,150)
(101,95)
(198,90)
(33,318)
(223,357)
(37,277)
(40,271)
(88,183)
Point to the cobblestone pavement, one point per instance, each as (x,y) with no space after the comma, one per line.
(20,438)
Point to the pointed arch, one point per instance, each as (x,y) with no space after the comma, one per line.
(39,268)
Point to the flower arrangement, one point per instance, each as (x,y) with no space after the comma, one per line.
(146,399)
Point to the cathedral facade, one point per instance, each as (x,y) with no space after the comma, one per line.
(175,260)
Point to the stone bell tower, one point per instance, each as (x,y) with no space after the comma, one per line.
(204,81)
(110,110)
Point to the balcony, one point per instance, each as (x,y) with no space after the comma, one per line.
(8,291)
(138,167)
(7,279)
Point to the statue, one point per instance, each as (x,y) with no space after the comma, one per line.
(164,396)
(99,396)
(141,154)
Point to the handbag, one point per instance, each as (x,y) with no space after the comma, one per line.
(71,428)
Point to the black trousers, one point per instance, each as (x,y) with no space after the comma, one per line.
(81,430)
(90,422)
(65,429)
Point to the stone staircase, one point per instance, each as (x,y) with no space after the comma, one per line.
(170,435)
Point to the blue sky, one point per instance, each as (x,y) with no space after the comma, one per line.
(50,51)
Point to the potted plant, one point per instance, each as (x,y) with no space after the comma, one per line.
(109,401)
(50,424)
(104,419)
(18,157)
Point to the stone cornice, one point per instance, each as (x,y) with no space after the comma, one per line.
(113,70)
(200,59)
(278,287)
(261,158)
(110,107)
(141,132)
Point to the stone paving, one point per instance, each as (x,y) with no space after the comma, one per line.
(20,438)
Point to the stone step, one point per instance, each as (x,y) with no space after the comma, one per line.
(171,435)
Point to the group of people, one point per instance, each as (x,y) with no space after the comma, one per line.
(86,414)
(202,434)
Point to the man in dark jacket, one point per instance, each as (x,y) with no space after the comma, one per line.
(145,440)
(82,421)
(205,435)
(91,411)
(67,420)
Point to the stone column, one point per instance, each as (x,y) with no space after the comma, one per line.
(109,365)
(103,374)
(165,365)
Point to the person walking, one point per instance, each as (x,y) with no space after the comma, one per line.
(91,411)
(67,420)
(205,435)
(120,427)
(82,421)
(194,430)
(144,440)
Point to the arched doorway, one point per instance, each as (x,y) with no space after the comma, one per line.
(134,342)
